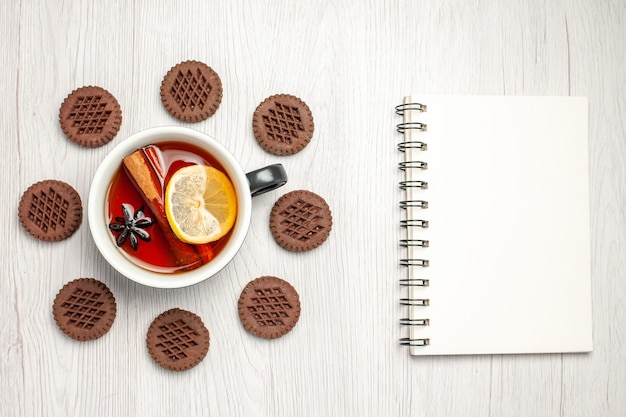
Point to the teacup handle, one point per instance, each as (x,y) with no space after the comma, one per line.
(266,179)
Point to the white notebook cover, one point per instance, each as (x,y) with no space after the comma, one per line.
(509,226)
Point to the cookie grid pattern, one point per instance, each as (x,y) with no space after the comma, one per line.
(301,220)
(89,114)
(83,308)
(191,89)
(175,338)
(283,123)
(270,307)
(48,210)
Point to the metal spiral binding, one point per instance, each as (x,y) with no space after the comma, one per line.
(414,223)
(415,302)
(404,165)
(406,341)
(413,184)
(414,262)
(413,145)
(414,242)
(415,282)
(401,127)
(414,322)
(423,204)
(400,109)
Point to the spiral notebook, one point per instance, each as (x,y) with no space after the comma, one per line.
(495,225)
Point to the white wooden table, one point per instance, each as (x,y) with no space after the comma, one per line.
(351,61)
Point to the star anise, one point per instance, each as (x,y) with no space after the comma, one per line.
(131,226)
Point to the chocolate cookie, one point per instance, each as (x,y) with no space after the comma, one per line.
(300,221)
(269,307)
(178,340)
(283,124)
(191,91)
(84,309)
(90,116)
(50,210)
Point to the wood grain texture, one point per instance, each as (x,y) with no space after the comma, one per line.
(352,62)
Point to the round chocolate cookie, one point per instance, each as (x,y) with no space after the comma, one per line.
(90,116)
(84,309)
(191,91)
(178,340)
(283,124)
(50,210)
(269,307)
(300,221)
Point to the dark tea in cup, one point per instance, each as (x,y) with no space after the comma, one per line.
(170,207)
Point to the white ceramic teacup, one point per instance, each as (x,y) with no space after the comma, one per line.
(246,185)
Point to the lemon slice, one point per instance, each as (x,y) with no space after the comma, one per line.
(200,204)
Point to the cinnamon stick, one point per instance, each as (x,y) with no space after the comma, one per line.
(148,179)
